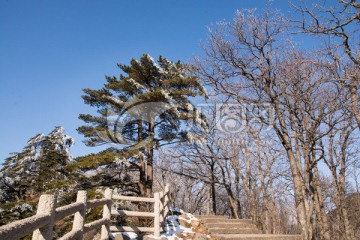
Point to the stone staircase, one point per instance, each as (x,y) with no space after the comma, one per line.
(224,228)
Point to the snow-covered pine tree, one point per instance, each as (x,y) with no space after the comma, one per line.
(108,168)
(38,169)
(143,110)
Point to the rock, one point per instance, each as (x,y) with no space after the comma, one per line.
(185,216)
(121,237)
(195,223)
(118,237)
(185,236)
(147,237)
(200,229)
(198,236)
(184,223)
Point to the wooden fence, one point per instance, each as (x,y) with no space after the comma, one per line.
(41,225)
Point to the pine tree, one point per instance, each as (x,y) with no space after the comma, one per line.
(144,109)
(38,169)
(104,169)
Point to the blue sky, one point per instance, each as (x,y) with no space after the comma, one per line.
(51,50)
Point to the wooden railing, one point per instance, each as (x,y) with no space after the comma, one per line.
(41,225)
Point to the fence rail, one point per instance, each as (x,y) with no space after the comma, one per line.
(161,203)
(41,225)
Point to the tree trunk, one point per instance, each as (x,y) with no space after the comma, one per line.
(265,207)
(213,193)
(319,205)
(273,218)
(232,202)
(149,162)
(342,187)
(146,163)
(142,176)
(303,211)
(142,180)
(208,208)
(149,174)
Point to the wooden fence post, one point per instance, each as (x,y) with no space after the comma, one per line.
(105,229)
(157,214)
(79,217)
(47,205)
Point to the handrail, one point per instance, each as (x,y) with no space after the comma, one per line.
(161,208)
(95,224)
(41,224)
(64,211)
(133,199)
(132,213)
(74,234)
(97,202)
(131,229)
(23,227)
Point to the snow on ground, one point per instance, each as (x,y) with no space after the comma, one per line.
(171,226)
(130,235)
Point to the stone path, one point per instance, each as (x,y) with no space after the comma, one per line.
(222,227)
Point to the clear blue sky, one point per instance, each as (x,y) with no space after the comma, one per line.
(51,50)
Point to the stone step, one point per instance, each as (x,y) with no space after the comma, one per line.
(230,225)
(216,220)
(225,228)
(233,230)
(211,217)
(256,237)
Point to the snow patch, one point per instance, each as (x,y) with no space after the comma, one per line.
(137,85)
(131,235)
(173,227)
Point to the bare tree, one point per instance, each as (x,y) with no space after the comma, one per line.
(339,157)
(245,168)
(251,61)
(338,28)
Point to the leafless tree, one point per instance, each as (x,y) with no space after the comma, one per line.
(245,168)
(251,61)
(338,28)
(339,156)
